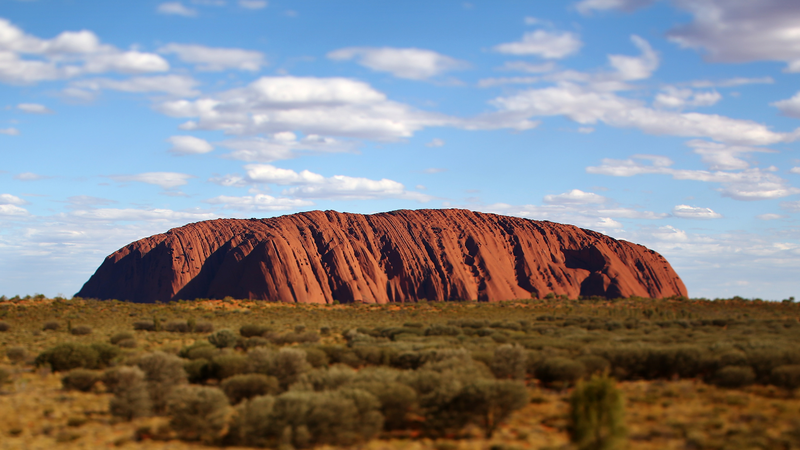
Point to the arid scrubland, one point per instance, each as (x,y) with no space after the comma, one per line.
(689,374)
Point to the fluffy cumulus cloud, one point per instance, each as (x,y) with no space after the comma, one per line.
(174,85)
(575,196)
(589,6)
(176,9)
(673,97)
(258,202)
(789,107)
(409,63)
(10,205)
(723,157)
(282,145)
(34,108)
(636,67)
(743,31)
(27,59)
(310,185)
(216,58)
(546,44)
(313,106)
(749,184)
(140,215)
(189,145)
(694,212)
(167,180)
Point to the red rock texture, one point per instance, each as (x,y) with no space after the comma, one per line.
(398,256)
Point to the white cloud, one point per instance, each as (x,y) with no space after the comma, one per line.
(433,170)
(177,85)
(167,180)
(8,199)
(307,184)
(693,212)
(34,108)
(742,31)
(636,67)
(435,142)
(253,4)
(789,107)
(258,202)
(189,145)
(795,170)
(550,45)
(587,107)
(585,130)
(177,9)
(410,63)
(282,145)
(721,156)
(587,6)
(29,176)
(68,55)
(672,97)
(731,82)
(750,184)
(140,215)
(12,210)
(524,66)
(216,58)
(9,131)
(574,197)
(791,206)
(769,216)
(313,106)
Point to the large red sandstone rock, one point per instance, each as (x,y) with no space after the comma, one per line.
(399,256)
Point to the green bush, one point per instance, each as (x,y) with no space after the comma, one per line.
(252,424)
(223,339)
(198,350)
(203,327)
(106,353)
(325,378)
(131,398)
(597,415)
(198,370)
(509,361)
(786,376)
(68,356)
(51,325)
(228,365)
(81,330)
(734,376)
(163,372)
(119,337)
(251,330)
(490,402)
(594,364)
(287,365)
(16,354)
(80,380)
(178,326)
(199,413)
(144,325)
(398,402)
(560,371)
(316,357)
(246,386)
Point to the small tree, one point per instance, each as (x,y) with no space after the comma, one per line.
(223,338)
(199,413)
(597,413)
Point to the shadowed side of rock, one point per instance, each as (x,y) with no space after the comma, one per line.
(399,256)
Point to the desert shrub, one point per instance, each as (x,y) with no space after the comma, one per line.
(786,376)
(178,326)
(199,413)
(316,357)
(131,398)
(105,352)
(560,371)
(251,330)
(251,424)
(398,402)
(509,361)
(287,366)
(144,325)
(325,378)
(298,338)
(163,372)
(247,386)
(16,354)
(597,415)
(4,326)
(119,337)
(127,343)
(51,325)
(338,354)
(442,330)
(5,375)
(228,365)
(490,402)
(256,341)
(203,327)
(68,356)
(223,339)
(734,376)
(80,380)
(594,364)
(81,330)
(198,370)
(199,350)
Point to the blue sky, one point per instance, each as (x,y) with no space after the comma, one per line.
(673,124)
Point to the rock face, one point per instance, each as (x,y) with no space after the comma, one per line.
(399,256)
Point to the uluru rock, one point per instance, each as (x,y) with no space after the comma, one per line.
(398,256)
